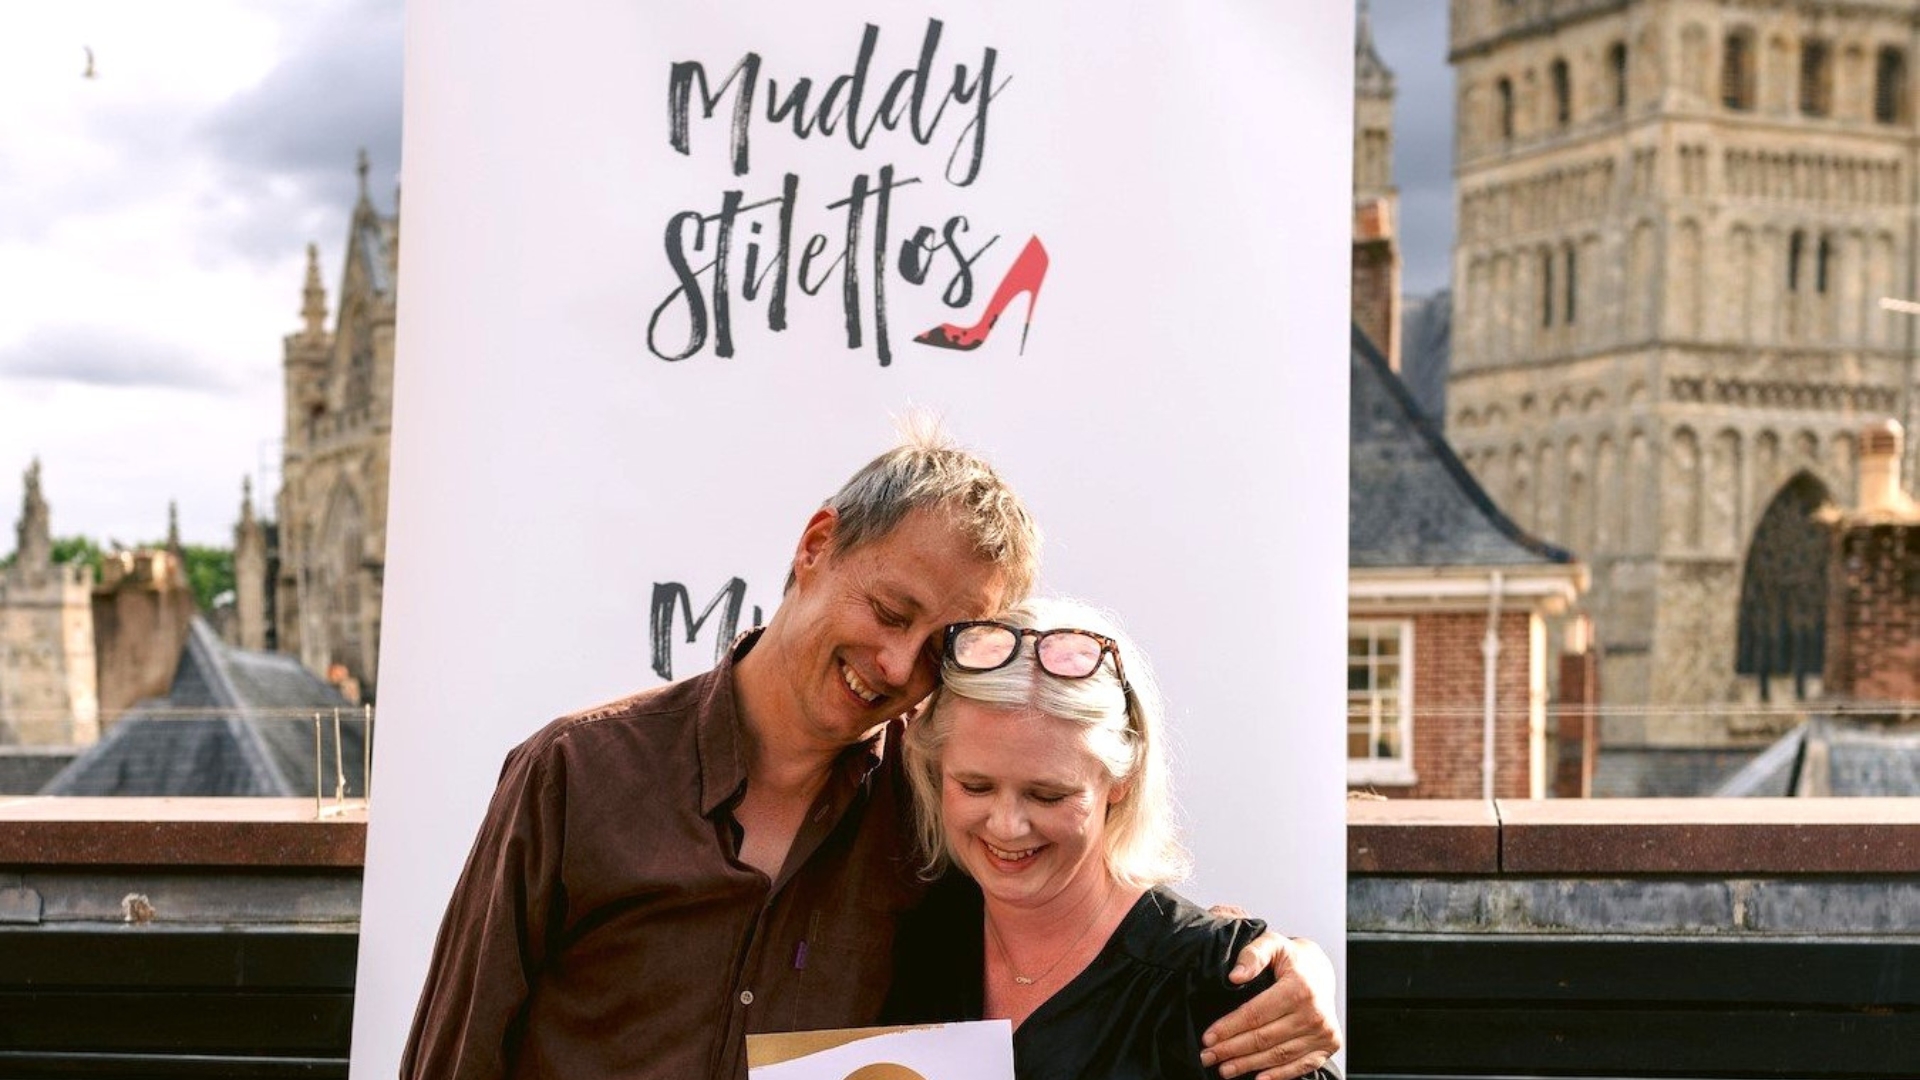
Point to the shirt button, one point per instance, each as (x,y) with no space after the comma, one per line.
(746,997)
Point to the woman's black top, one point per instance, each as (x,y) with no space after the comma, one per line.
(1137,1011)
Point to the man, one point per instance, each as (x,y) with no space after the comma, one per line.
(661,876)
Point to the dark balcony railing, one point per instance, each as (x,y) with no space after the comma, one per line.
(171,938)
(1634,938)
(1626,938)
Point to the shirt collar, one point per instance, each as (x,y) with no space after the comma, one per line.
(722,738)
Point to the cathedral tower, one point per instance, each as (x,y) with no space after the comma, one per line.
(1674,221)
(332,507)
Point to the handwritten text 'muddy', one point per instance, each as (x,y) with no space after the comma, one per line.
(845,106)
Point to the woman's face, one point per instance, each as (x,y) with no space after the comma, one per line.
(1024,802)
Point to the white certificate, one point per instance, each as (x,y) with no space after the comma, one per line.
(982,1050)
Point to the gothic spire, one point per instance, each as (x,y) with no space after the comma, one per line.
(246,502)
(173,526)
(314,310)
(360,166)
(34,553)
(1371,76)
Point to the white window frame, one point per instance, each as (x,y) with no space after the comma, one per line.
(1398,771)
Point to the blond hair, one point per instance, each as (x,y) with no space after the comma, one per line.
(1122,730)
(927,471)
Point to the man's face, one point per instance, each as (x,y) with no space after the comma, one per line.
(863,628)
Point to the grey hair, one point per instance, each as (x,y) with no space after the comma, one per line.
(1142,844)
(926,471)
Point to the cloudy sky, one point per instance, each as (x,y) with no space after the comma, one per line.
(153,224)
(1411,36)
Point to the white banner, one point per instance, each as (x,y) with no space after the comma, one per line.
(666,275)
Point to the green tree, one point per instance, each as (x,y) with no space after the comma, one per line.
(209,571)
(68,549)
(78,549)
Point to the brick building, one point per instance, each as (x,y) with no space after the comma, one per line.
(1448,606)
(1873,614)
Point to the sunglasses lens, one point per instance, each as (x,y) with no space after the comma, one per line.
(1069,654)
(983,648)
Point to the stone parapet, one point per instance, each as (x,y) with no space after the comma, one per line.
(1797,866)
(204,833)
(1480,24)
(1634,938)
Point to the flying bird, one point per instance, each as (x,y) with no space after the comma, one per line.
(88,74)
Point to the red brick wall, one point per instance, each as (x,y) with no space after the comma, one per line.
(1575,746)
(1873,617)
(1376,296)
(1449,721)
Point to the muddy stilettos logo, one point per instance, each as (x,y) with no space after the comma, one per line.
(746,257)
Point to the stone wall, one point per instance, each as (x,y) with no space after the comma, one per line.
(1665,307)
(141,611)
(1633,938)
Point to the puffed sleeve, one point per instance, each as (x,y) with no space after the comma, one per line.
(1213,995)
(494,938)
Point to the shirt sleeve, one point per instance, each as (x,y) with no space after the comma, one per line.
(1214,995)
(495,936)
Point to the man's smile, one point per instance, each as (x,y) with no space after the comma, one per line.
(859,687)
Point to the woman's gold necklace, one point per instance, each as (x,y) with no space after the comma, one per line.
(1029,980)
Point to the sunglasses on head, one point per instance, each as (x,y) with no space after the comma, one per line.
(986,645)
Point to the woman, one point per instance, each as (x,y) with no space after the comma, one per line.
(1040,775)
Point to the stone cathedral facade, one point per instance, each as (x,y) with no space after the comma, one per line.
(332,507)
(1675,220)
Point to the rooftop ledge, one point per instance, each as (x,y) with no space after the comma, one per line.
(1604,837)
(190,832)
(1546,838)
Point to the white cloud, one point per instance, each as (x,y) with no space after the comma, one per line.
(93,354)
(153,221)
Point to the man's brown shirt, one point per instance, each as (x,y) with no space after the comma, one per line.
(604,925)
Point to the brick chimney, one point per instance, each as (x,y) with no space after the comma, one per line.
(1880,490)
(1873,613)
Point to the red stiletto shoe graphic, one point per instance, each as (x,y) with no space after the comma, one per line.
(1022,277)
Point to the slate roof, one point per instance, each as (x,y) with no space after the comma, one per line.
(235,722)
(1410,502)
(1426,348)
(26,769)
(1771,773)
(1644,772)
(1863,758)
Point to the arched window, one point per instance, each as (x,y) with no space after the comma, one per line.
(1503,106)
(1816,78)
(1546,287)
(1617,67)
(1890,85)
(1822,264)
(1783,593)
(1572,281)
(1736,71)
(1796,244)
(1562,93)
